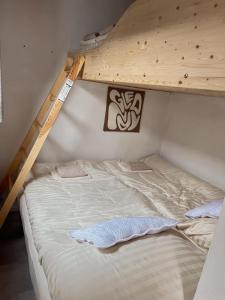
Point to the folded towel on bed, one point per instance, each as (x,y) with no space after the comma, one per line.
(136,166)
(109,233)
(210,210)
(70,171)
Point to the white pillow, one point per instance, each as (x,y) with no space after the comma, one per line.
(109,233)
(211,210)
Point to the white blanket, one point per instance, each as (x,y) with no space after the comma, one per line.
(165,266)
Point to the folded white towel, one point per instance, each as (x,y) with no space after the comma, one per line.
(70,171)
(136,166)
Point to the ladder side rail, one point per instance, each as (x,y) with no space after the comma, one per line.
(39,118)
(28,164)
(43,134)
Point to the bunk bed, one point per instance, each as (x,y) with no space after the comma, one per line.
(164,45)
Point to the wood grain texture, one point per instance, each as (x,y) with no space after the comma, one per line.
(175,45)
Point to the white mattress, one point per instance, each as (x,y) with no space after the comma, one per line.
(165,266)
(37,274)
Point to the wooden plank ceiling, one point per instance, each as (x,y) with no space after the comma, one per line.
(175,45)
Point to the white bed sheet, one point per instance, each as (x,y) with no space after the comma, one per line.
(165,266)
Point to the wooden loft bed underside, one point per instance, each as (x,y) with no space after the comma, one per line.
(175,45)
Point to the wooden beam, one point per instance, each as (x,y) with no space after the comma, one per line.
(175,45)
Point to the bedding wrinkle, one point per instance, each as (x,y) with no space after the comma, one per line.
(166,266)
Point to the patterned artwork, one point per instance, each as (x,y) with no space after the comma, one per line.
(123,110)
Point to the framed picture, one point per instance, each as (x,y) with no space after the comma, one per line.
(123,110)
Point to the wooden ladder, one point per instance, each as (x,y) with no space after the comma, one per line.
(27,153)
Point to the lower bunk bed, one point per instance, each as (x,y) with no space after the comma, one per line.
(165,266)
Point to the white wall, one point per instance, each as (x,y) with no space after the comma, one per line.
(79,133)
(194,136)
(35,37)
